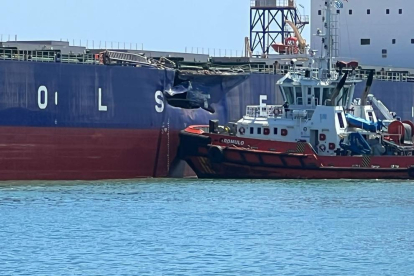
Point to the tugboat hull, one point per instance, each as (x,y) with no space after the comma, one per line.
(216,156)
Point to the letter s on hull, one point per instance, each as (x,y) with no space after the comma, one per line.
(159,99)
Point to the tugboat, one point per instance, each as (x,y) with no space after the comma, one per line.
(320,132)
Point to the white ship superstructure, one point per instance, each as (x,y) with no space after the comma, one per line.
(374,32)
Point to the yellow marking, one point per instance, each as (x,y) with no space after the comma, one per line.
(300,147)
(206,165)
(366,161)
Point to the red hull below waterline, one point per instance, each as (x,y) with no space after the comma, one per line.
(84,154)
(217,156)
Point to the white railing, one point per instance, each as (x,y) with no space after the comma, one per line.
(268,111)
(272,3)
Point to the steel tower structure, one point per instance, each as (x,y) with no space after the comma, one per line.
(268,22)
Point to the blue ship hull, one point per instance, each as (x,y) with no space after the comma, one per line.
(76,121)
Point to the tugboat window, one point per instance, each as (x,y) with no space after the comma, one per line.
(341,121)
(299,96)
(319,12)
(317,96)
(412,41)
(290,98)
(275,131)
(365,41)
(387,11)
(259,130)
(400,11)
(252,130)
(368,11)
(393,41)
(350,12)
(327,92)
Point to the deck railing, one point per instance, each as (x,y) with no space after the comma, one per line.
(272,3)
(46,56)
(88,58)
(268,111)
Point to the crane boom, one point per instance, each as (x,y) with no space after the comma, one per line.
(381,107)
(301,41)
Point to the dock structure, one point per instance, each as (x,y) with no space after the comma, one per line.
(268,23)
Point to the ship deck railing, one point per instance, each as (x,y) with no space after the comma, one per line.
(51,56)
(359,74)
(46,56)
(268,111)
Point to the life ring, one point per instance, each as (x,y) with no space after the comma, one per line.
(242,131)
(215,154)
(305,129)
(322,147)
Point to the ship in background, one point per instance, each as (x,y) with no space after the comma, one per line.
(67,112)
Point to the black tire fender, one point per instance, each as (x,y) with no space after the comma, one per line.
(215,154)
(411,172)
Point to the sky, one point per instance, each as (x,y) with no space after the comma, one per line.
(163,25)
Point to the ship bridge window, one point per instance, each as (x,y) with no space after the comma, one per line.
(365,41)
(327,93)
(299,96)
(393,41)
(387,11)
(317,95)
(350,12)
(400,11)
(290,97)
(368,11)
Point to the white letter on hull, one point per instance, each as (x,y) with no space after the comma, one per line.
(159,99)
(42,90)
(101,107)
(263,105)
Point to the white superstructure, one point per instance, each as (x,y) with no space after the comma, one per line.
(374,32)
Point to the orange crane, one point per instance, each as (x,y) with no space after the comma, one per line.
(301,41)
(293,45)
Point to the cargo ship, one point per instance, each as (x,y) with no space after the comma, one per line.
(67,113)
(72,115)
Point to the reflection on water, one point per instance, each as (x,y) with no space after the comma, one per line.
(206,227)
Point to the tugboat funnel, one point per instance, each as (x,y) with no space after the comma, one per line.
(338,89)
(365,94)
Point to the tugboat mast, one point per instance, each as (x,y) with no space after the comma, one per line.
(327,41)
(328,38)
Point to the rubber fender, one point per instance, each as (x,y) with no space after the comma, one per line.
(189,144)
(215,154)
(411,172)
(194,139)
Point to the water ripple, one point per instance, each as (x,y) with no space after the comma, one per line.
(206,227)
